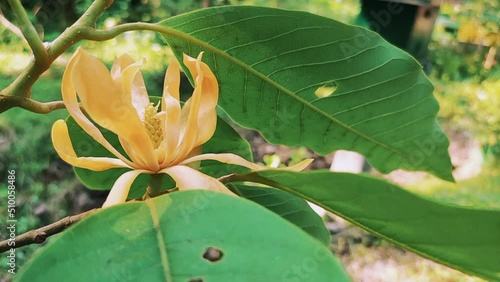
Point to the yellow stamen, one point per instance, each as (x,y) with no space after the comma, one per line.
(153,125)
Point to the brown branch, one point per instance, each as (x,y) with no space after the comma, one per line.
(8,102)
(39,235)
(29,32)
(21,86)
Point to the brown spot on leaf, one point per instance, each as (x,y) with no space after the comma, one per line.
(212,254)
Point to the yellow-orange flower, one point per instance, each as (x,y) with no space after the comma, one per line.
(164,139)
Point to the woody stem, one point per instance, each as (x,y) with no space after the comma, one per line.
(154,188)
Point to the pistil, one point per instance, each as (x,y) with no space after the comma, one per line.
(153,125)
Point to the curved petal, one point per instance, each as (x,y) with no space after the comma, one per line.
(298,166)
(135,89)
(237,160)
(189,125)
(187,178)
(171,112)
(121,188)
(64,148)
(171,118)
(119,64)
(172,81)
(198,116)
(208,87)
(138,161)
(225,158)
(105,103)
(196,151)
(71,103)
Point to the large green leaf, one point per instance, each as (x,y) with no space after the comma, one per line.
(166,238)
(225,139)
(288,206)
(270,62)
(463,238)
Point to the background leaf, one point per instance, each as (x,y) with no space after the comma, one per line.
(166,238)
(270,62)
(288,206)
(466,239)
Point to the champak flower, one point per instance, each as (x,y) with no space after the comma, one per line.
(157,140)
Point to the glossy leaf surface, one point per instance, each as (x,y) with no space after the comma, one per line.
(181,237)
(463,238)
(288,206)
(271,62)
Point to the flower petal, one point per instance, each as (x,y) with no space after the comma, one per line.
(172,81)
(198,116)
(119,64)
(237,160)
(225,158)
(208,87)
(106,105)
(187,178)
(121,188)
(171,112)
(196,151)
(135,89)
(71,103)
(130,150)
(171,118)
(64,148)
(299,166)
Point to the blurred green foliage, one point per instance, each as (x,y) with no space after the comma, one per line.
(465,70)
(51,17)
(484,13)
(25,147)
(26,135)
(482,191)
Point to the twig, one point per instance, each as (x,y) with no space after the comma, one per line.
(106,34)
(8,102)
(21,86)
(83,28)
(39,52)
(39,235)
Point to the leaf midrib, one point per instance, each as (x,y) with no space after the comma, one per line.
(170,31)
(268,180)
(160,238)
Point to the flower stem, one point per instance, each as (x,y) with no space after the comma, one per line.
(154,188)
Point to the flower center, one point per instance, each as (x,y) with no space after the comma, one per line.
(153,125)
